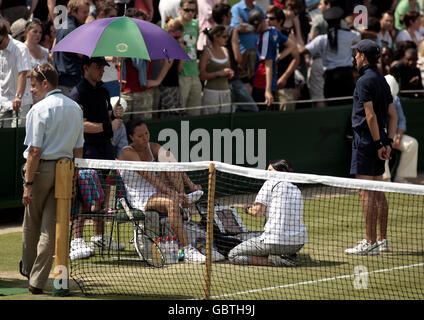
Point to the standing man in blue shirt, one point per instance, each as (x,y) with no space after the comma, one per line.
(247,37)
(54,130)
(374,123)
(270,41)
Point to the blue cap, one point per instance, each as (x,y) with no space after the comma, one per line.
(368,47)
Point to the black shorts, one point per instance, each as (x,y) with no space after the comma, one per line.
(365,159)
(102,151)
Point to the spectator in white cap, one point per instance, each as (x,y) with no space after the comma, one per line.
(407,145)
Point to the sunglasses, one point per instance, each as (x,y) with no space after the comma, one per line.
(37,69)
(189,10)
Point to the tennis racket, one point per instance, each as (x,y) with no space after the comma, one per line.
(147,249)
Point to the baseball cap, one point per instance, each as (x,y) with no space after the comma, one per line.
(100,61)
(368,47)
(18,27)
(255,18)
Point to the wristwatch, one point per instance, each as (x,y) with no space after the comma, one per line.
(18,96)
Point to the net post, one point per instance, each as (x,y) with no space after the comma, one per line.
(209,230)
(63,195)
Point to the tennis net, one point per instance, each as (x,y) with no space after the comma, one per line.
(276,235)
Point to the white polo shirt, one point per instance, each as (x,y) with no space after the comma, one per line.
(284,222)
(55,125)
(13,60)
(332,59)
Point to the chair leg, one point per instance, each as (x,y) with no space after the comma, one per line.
(111,234)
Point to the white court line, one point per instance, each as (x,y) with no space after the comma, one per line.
(315,281)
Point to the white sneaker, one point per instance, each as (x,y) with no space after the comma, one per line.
(80,249)
(216,256)
(364,248)
(383,245)
(103,242)
(191,255)
(194,196)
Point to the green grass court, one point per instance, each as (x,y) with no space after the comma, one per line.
(325,272)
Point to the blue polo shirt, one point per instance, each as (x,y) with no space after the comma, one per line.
(241,11)
(270,42)
(371,86)
(68,64)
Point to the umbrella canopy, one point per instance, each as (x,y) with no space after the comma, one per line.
(122,37)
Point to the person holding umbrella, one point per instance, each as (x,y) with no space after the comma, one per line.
(100,120)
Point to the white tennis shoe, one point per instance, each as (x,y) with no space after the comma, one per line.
(216,256)
(383,245)
(80,249)
(364,248)
(194,196)
(192,255)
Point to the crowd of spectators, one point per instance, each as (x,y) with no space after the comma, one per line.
(304,45)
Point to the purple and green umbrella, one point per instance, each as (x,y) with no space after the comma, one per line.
(122,37)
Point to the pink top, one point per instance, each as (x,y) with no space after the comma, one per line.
(205,19)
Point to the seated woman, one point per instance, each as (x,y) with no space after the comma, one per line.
(163,191)
(284,232)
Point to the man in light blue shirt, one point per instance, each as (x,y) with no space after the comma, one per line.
(248,39)
(54,129)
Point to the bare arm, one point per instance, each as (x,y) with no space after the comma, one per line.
(371,118)
(292,66)
(92,127)
(33,6)
(236,47)
(392,121)
(269,98)
(162,74)
(203,61)
(78,152)
(256,210)
(150,8)
(50,5)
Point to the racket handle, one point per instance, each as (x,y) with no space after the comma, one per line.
(126,208)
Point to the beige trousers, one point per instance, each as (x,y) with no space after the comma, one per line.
(39,227)
(191,94)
